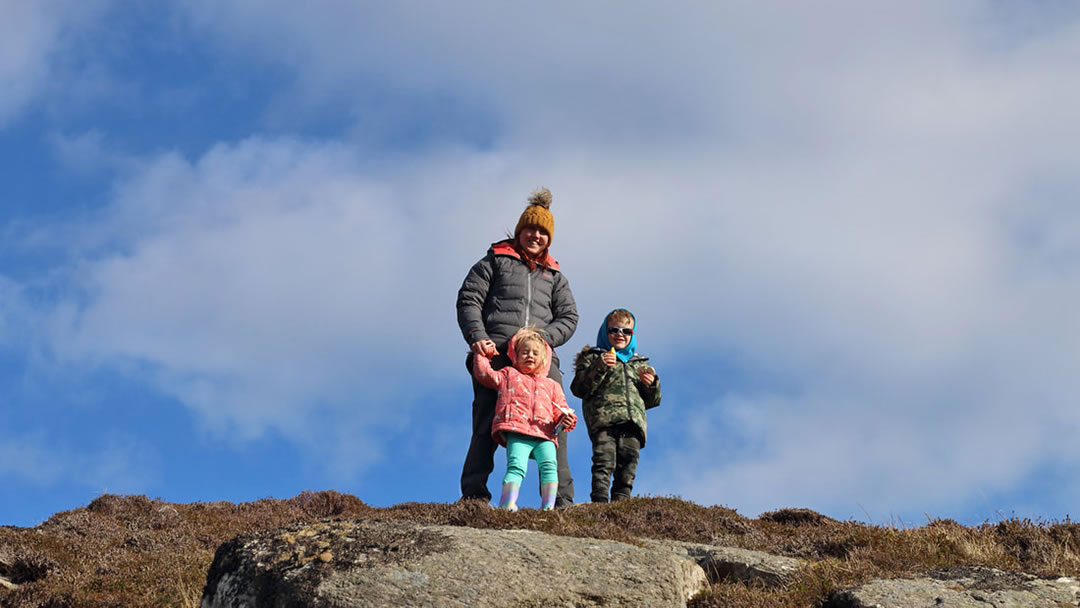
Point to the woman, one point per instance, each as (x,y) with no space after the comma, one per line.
(517,284)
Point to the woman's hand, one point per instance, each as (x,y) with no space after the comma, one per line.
(485,348)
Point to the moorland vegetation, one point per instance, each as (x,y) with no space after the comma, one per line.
(138,552)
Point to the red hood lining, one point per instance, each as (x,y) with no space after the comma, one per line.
(507,248)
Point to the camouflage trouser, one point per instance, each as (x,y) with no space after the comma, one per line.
(615,450)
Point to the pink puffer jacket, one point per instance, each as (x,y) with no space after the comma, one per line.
(530,404)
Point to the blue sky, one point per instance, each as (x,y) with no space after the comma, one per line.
(231,234)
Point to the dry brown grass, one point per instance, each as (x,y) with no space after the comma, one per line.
(137,552)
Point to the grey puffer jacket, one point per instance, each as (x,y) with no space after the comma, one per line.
(500,295)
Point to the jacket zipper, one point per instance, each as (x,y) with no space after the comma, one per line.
(528,296)
(626,384)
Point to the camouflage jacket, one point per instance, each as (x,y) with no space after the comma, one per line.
(612,395)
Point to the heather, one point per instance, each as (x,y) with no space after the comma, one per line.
(139,552)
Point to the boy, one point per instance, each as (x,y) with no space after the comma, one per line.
(616,385)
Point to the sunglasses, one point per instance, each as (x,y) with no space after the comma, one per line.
(626,331)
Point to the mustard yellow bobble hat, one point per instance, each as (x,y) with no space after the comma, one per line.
(538,213)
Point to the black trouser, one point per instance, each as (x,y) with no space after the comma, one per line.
(615,450)
(480,460)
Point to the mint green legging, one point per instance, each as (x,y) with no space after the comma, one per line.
(519,448)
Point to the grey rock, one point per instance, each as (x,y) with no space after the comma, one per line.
(962,587)
(7,564)
(734,564)
(366,563)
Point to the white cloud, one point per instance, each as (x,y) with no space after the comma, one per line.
(29,459)
(679,73)
(280,285)
(930,352)
(26,36)
(277,284)
(115,463)
(35,38)
(250,277)
(852,451)
(12,310)
(872,208)
(86,152)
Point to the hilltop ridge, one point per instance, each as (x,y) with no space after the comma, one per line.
(135,551)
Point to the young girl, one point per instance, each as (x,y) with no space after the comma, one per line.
(530,411)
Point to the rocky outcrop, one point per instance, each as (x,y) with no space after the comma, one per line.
(401,563)
(963,587)
(7,565)
(734,564)
(367,563)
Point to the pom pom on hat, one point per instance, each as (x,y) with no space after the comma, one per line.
(538,213)
(541,197)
